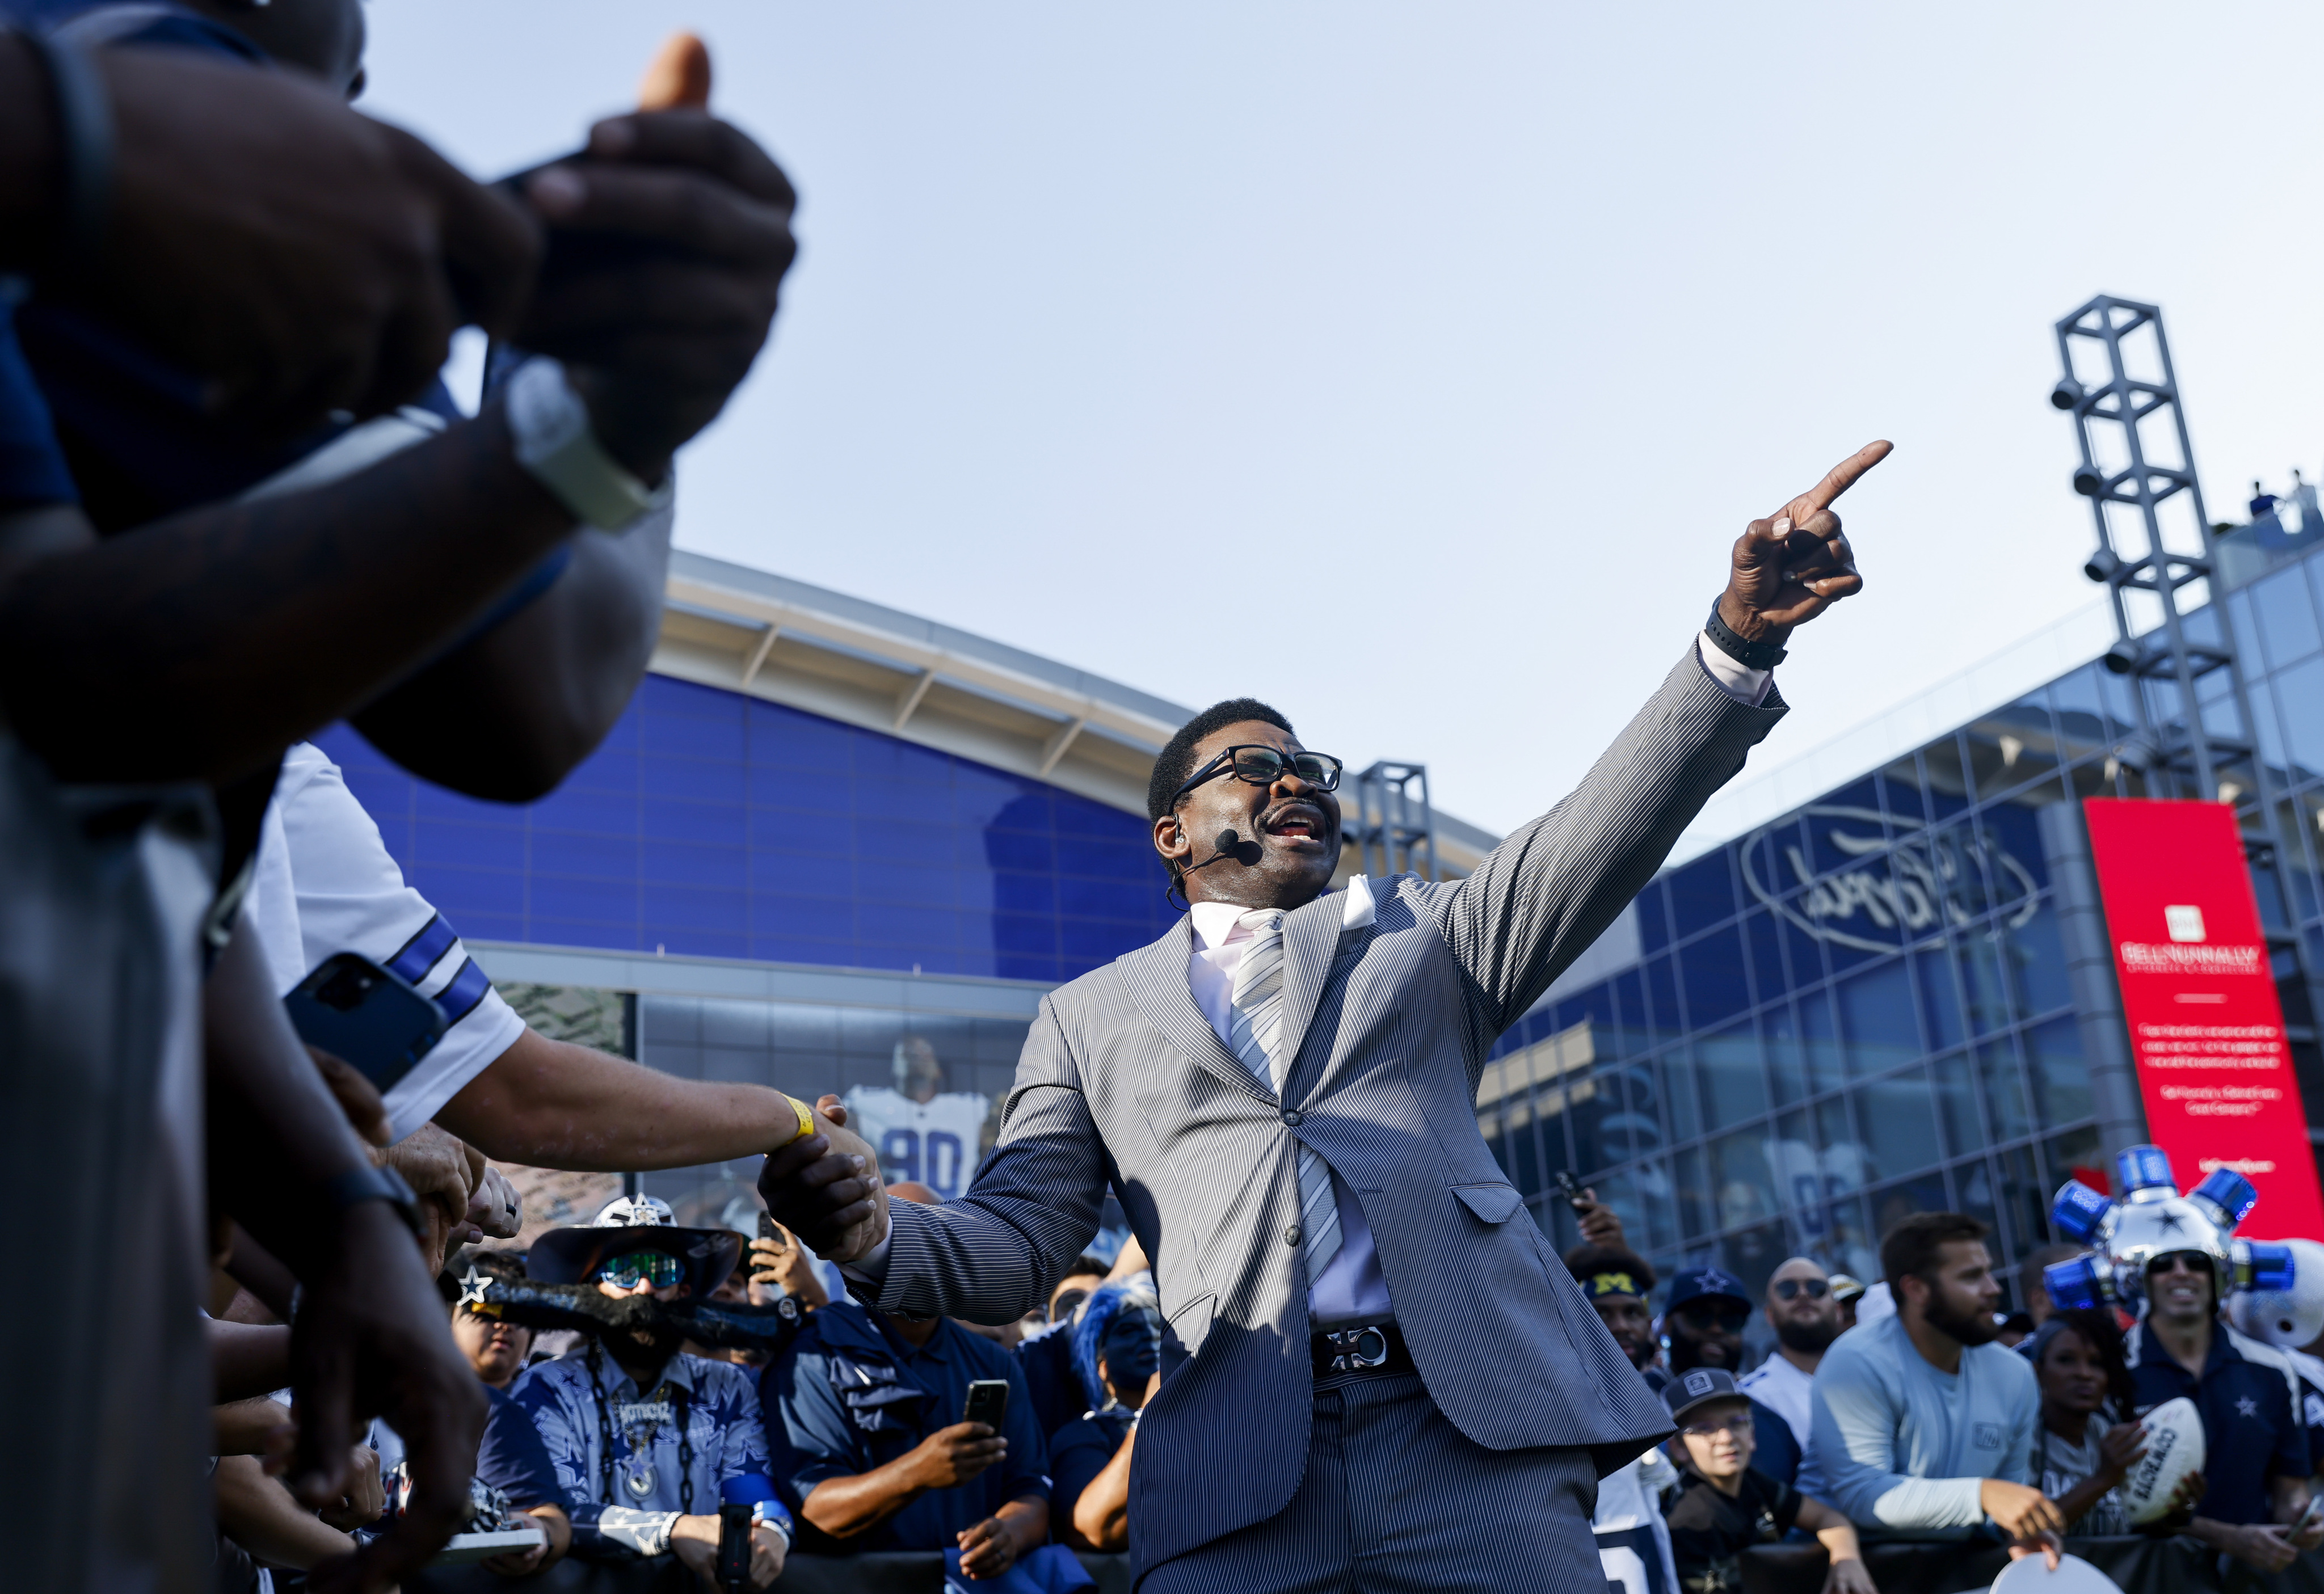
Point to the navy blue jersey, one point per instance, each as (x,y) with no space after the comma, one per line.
(514,1459)
(1047,1364)
(1078,1452)
(2253,1429)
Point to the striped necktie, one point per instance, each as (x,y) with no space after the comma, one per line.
(1255,1036)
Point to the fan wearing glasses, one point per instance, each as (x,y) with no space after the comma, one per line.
(1726,1504)
(1806,1315)
(1702,1327)
(646,1449)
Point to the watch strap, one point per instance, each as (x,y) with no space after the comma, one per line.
(557,446)
(357,1185)
(1749,655)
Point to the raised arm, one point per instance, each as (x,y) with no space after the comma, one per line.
(1544,894)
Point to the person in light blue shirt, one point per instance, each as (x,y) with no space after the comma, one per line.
(1923,1425)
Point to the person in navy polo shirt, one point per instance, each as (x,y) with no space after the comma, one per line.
(864,1423)
(2254,1443)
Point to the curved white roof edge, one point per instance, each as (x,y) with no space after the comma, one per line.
(747,631)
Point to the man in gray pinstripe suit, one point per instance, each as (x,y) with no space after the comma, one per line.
(1378,1375)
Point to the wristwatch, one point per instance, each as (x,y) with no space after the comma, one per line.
(557,446)
(1749,655)
(357,1185)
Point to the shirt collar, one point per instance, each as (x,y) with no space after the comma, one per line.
(1215,922)
(614,1378)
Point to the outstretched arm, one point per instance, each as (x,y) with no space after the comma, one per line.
(551,1104)
(992,1255)
(1543,895)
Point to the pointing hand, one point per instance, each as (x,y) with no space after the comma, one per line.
(1791,566)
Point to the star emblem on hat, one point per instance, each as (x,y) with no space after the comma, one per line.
(2246,1407)
(473,1287)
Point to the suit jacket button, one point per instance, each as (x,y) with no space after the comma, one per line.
(1291,1234)
(1292,1118)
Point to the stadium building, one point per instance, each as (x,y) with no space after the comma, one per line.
(836,847)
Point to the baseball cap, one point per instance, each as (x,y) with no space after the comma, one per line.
(1697,1385)
(1695,1283)
(1845,1287)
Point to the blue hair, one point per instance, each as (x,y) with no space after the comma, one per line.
(1095,1325)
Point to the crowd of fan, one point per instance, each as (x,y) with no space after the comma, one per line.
(1918,1410)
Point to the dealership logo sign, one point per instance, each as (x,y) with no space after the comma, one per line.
(1920,883)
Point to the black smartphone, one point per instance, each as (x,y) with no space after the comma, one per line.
(373,1017)
(988,1403)
(1569,1188)
(768,1228)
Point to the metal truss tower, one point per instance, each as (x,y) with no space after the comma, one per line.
(2153,536)
(2138,472)
(1395,827)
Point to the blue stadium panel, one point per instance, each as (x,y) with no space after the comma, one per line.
(715,825)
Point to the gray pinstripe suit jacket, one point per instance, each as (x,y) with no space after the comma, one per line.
(1124,1083)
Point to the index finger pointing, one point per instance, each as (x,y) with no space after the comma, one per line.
(1843,476)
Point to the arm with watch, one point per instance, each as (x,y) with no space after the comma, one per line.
(388,586)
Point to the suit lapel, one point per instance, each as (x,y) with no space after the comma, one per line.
(1311,940)
(1155,974)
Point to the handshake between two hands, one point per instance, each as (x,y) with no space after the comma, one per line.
(825,1188)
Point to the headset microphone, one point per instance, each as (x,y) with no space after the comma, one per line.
(1228,845)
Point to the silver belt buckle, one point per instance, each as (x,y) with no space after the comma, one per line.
(1357,1350)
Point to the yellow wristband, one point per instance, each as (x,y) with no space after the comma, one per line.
(805,1121)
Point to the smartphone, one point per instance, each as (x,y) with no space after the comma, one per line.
(988,1403)
(1569,1188)
(373,1018)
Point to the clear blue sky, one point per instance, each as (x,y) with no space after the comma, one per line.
(1413,366)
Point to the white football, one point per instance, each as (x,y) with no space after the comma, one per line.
(2174,1453)
(2288,1318)
(2074,1576)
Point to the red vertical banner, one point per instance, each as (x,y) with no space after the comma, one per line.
(2200,999)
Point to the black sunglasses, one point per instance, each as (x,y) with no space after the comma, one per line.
(1727,1320)
(1264,766)
(1788,1289)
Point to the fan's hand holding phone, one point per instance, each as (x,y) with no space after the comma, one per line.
(988,1403)
(372,1017)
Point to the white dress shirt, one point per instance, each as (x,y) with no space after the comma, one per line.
(1351,1289)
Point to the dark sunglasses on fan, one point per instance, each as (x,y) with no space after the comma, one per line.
(657,1268)
(1790,1289)
(1727,1319)
(1261,765)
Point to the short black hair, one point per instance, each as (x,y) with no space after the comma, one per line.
(1586,1261)
(1088,1262)
(1910,1249)
(1174,766)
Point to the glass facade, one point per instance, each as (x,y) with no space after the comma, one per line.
(715,825)
(1862,1010)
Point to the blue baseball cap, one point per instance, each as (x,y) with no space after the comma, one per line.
(1695,1283)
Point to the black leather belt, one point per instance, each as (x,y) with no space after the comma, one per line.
(1358,1348)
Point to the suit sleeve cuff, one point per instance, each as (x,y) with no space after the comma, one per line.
(1742,684)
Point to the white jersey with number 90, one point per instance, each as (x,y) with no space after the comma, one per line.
(934,1142)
